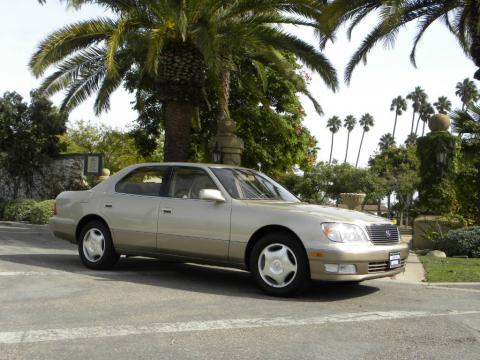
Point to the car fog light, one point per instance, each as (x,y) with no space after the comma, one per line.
(347,269)
(332,268)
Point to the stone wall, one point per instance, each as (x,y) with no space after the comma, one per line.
(63,173)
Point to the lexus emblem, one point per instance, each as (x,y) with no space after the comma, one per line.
(387,232)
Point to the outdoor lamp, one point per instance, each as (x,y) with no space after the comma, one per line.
(441,156)
(217,154)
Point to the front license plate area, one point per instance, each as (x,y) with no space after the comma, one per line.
(395,260)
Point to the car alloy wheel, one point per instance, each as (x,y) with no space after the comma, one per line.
(93,245)
(277,265)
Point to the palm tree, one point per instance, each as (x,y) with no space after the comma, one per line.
(461,18)
(467,92)
(366,121)
(426,112)
(468,122)
(334,124)
(443,105)
(386,141)
(174,46)
(349,123)
(417,96)
(411,139)
(399,105)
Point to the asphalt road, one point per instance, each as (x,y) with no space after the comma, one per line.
(51,307)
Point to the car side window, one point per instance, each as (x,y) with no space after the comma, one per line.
(147,181)
(187,182)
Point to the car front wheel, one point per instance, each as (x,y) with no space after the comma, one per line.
(279,265)
(95,246)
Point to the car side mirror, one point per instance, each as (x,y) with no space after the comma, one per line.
(211,195)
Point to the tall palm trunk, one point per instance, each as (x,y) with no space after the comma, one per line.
(178,125)
(224,98)
(331,149)
(418,123)
(423,129)
(395,124)
(360,148)
(413,122)
(346,151)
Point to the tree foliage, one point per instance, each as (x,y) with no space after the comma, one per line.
(29,136)
(324,183)
(269,119)
(173,46)
(117,147)
(461,18)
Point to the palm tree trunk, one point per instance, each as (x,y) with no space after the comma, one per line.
(395,124)
(360,148)
(413,122)
(346,151)
(224,97)
(418,122)
(423,130)
(178,125)
(331,149)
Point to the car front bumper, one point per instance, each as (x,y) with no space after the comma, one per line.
(371,262)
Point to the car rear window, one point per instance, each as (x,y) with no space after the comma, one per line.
(147,181)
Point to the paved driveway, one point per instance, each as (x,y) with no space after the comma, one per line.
(51,307)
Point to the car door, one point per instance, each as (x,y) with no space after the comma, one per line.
(132,209)
(188,225)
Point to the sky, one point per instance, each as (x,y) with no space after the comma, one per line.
(388,73)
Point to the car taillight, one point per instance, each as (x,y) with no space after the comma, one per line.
(54,210)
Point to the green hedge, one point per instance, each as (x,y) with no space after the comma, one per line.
(465,241)
(35,212)
(41,212)
(19,209)
(3,203)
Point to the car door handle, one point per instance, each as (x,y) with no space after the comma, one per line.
(108,205)
(167,211)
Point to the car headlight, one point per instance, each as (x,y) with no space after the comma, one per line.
(344,233)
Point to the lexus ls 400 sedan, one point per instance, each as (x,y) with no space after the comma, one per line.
(227,216)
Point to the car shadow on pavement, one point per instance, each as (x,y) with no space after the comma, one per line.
(179,276)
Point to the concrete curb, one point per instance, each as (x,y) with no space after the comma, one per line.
(14,224)
(474,283)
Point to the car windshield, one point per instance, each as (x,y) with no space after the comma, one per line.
(247,184)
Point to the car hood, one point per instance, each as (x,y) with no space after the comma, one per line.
(324,213)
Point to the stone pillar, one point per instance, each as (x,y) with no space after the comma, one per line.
(229,144)
(438,154)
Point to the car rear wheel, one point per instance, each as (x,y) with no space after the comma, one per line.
(279,265)
(95,246)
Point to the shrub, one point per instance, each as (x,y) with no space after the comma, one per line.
(465,241)
(3,203)
(41,212)
(19,209)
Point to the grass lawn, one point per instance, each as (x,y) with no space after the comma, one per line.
(451,269)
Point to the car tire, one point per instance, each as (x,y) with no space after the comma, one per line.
(95,246)
(279,265)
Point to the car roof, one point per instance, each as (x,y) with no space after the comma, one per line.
(190,164)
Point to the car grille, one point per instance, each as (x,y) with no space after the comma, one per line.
(383,234)
(376,267)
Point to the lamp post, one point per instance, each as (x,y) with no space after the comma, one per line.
(441,153)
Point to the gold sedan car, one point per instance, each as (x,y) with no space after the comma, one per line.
(228,216)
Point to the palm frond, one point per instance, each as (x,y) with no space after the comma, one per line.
(69,39)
